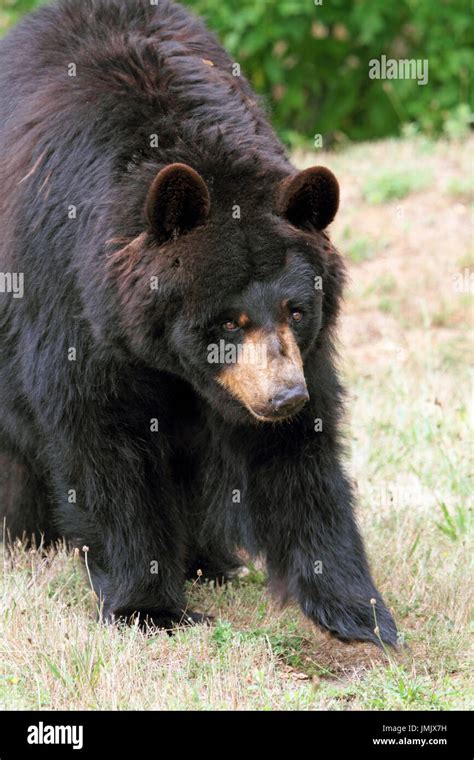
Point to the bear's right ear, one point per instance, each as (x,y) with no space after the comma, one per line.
(309,197)
(178,200)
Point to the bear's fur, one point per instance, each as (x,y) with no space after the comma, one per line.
(156,217)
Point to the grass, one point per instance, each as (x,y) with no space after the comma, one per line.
(359,248)
(394,185)
(406,354)
(462,187)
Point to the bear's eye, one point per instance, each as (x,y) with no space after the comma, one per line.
(230,326)
(296,315)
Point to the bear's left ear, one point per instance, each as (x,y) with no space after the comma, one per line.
(309,197)
(177,201)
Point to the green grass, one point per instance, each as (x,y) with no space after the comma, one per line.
(461,187)
(384,285)
(360,249)
(395,185)
(456,524)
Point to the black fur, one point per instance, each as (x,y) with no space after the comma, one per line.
(85,425)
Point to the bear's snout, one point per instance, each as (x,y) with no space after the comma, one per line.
(274,387)
(289,400)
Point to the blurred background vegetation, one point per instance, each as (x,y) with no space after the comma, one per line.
(310,62)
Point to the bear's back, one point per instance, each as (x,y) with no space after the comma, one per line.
(124,68)
(91,91)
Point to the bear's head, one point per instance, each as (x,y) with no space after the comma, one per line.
(234,298)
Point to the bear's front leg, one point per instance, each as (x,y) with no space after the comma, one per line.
(302,509)
(114,495)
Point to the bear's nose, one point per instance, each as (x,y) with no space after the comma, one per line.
(289,400)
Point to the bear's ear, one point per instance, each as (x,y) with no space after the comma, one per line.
(309,197)
(178,200)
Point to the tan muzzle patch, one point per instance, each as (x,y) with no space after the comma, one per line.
(267,376)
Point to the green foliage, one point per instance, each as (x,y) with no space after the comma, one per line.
(12,10)
(458,122)
(310,61)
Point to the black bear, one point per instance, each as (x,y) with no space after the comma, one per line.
(169,298)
